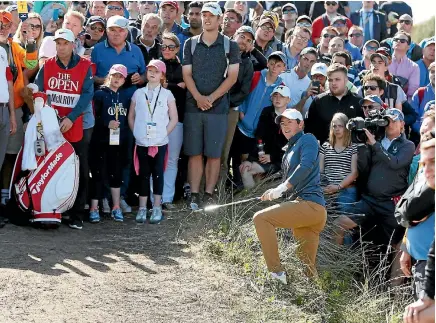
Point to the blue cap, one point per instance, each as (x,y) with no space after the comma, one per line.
(278,54)
(394,114)
(372,98)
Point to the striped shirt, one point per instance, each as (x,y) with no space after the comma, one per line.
(337,166)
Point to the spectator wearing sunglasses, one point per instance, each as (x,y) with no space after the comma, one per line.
(289,17)
(295,43)
(402,66)
(168,11)
(405,24)
(144,7)
(367,50)
(95,27)
(397,8)
(331,12)
(148,41)
(31,28)
(340,23)
(306,22)
(372,22)
(327,34)
(116,8)
(80,6)
(355,36)
(428,57)
(195,27)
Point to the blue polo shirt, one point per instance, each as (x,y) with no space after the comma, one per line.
(424,78)
(429,95)
(104,56)
(354,51)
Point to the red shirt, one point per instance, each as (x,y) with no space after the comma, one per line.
(318,26)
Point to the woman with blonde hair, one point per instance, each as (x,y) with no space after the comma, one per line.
(338,163)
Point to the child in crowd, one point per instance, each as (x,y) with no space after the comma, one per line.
(108,150)
(268,159)
(152,117)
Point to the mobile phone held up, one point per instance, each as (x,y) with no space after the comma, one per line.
(317,85)
(55,14)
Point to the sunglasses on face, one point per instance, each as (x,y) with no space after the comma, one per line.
(35,27)
(169,47)
(328,3)
(4,3)
(114,8)
(266,28)
(100,29)
(328,36)
(370,107)
(356,35)
(401,40)
(288,11)
(304,24)
(371,48)
(370,87)
(227,19)
(407,22)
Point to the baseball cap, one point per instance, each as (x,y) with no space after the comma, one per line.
(267,20)
(64,34)
(278,54)
(283,90)
(371,41)
(47,48)
(118,68)
(96,19)
(384,51)
(5,16)
(394,114)
(429,43)
(383,57)
(158,64)
(338,18)
(212,7)
(303,17)
(246,29)
(173,4)
(319,68)
(118,21)
(371,98)
(290,5)
(11,8)
(120,2)
(406,17)
(291,114)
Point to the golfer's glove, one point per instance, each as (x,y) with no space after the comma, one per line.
(275,193)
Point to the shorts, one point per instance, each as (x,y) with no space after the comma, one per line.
(204,134)
(16,140)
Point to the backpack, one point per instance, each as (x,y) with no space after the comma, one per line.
(195,40)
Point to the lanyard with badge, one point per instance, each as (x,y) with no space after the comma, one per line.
(114,134)
(151,126)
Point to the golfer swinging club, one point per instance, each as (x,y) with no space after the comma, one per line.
(304,212)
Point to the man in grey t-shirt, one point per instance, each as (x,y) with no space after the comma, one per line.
(209,73)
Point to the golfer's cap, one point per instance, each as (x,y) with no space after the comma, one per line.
(274,17)
(118,21)
(283,90)
(303,17)
(371,41)
(158,64)
(432,41)
(120,2)
(290,6)
(5,16)
(11,8)
(291,114)
(428,105)
(383,57)
(64,34)
(406,17)
(279,55)
(394,114)
(384,51)
(173,4)
(319,69)
(96,19)
(371,98)
(246,29)
(338,19)
(211,7)
(118,68)
(267,20)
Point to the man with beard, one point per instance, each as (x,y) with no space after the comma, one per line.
(231,22)
(148,41)
(325,105)
(195,28)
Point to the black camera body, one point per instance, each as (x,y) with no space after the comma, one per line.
(375,123)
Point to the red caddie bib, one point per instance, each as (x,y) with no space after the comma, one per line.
(63,88)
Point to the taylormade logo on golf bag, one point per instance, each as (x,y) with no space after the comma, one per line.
(35,188)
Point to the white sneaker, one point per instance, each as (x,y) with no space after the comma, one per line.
(281,277)
(126,208)
(106,207)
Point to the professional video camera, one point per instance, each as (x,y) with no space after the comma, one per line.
(375,123)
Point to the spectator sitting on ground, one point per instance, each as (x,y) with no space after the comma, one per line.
(355,36)
(268,133)
(297,40)
(340,23)
(318,74)
(231,22)
(368,49)
(297,79)
(338,163)
(428,57)
(327,34)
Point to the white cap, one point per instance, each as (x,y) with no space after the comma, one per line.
(47,48)
(64,34)
(319,68)
(291,114)
(118,21)
(283,90)
(213,8)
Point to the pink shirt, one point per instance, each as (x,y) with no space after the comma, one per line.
(408,69)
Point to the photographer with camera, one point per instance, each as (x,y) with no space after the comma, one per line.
(389,161)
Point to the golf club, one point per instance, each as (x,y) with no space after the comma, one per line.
(217,206)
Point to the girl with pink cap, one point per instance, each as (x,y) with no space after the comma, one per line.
(152,117)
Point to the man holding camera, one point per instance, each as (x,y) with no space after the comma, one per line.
(389,161)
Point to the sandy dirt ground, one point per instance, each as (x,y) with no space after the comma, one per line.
(116,272)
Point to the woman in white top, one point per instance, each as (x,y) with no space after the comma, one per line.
(152,117)
(338,163)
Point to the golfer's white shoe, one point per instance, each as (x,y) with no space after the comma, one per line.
(281,277)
